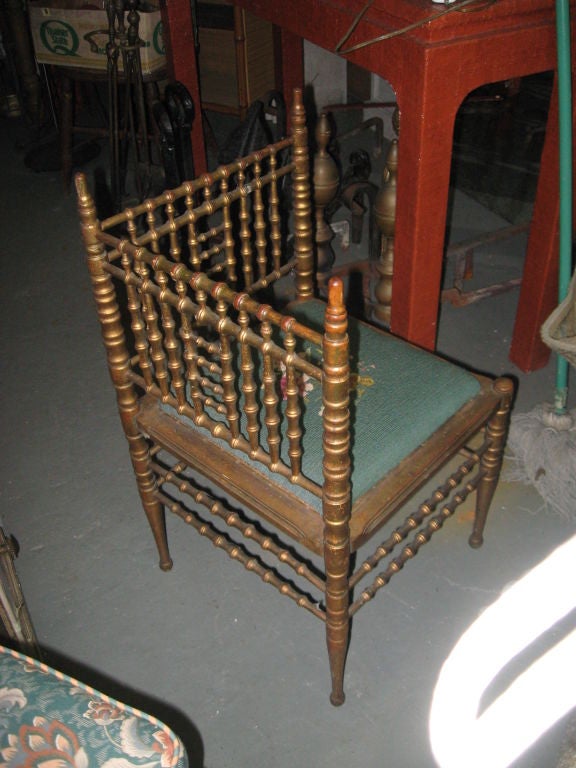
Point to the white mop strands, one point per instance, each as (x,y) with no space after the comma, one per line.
(542,453)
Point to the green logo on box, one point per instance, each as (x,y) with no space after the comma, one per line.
(158,39)
(59,37)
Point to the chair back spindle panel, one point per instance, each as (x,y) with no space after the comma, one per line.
(229,363)
(195,223)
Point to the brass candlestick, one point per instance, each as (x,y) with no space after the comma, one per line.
(385,218)
(326,180)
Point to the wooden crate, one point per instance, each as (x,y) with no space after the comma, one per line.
(236,59)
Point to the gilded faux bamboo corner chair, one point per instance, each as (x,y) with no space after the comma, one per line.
(287,436)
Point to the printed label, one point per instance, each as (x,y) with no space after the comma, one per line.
(158,39)
(59,38)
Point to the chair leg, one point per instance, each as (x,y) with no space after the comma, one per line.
(154,509)
(119,365)
(336,491)
(157,519)
(337,632)
(491,461)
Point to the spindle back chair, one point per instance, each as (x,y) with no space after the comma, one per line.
(288,435)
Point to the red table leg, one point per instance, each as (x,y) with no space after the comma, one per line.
(539,290)
(182,66)
(292,61)
(429,95)
(425,153)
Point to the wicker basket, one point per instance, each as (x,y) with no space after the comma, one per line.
(559,330)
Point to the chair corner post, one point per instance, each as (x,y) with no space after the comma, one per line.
(301,200)
(88,218)
(491,461)
(103,289)
(336,494)
(118,358)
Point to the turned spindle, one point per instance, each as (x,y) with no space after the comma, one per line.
(326,180)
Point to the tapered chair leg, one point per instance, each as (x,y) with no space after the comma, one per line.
(491,461)
(336,492)
(157,519)
(119,365)
(153,508)
(337,636)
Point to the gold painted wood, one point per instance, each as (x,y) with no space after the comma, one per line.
(270,399)
(491,461)
(304,524)
(119,364)
(336,490)
(275,219)
(302,204)
(211,389)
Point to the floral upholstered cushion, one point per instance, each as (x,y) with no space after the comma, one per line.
(49,720)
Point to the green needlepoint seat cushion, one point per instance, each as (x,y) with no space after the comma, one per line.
(400,395)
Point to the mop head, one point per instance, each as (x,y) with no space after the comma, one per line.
(542,448)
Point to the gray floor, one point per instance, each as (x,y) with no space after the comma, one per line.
(238,672)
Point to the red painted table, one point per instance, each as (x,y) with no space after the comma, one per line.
(432,68)
(182,66)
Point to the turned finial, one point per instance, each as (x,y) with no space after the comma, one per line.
(326,176)
(336,294)
(322,134)
(298,104)
(336,318)
(85,202)
(385,202)
(81,186)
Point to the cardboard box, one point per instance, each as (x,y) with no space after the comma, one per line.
(68,35)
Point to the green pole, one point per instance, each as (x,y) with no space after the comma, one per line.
(565,178)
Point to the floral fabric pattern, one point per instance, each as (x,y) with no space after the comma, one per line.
(49,720)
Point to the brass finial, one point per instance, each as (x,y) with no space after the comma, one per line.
(326,180)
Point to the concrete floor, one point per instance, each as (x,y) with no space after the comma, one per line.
(240,673)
